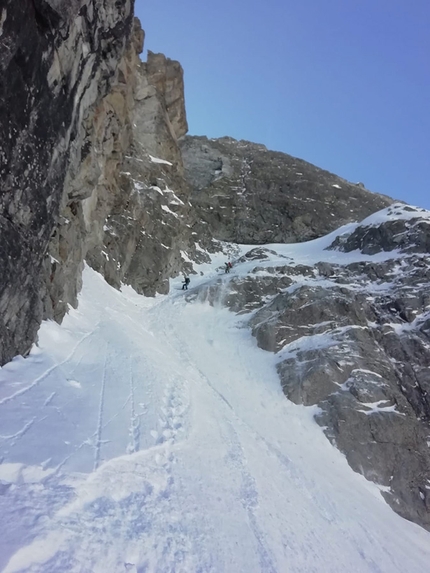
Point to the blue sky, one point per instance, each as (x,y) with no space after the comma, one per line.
(344,85)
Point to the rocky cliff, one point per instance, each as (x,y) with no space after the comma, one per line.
(248,194)
(96,167)
(81,116)
(57,60)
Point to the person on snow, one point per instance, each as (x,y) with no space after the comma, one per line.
(227,268)
(186,283)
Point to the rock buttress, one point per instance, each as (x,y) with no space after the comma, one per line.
(59,59)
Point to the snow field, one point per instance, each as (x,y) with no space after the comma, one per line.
(152,435)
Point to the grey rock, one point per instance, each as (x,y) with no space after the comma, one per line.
(59,59)
(248,194)
(144,219)
(167,77)
(409,236)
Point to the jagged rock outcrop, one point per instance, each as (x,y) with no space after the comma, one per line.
(166,82)
(408,236)
(351,334)
(248,194)
(118,222)
(60,59)
(144,219)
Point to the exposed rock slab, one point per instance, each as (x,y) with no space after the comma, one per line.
(248,194)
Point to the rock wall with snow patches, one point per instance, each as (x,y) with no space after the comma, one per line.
(349,323)
(58,60)
(96,167)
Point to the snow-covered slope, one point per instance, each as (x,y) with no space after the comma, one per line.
(152,435)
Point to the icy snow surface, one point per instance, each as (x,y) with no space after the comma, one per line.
(158,160)
(152,435)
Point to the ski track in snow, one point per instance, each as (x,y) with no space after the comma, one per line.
(40,378)
(99,430)
(134,430)
(153,436)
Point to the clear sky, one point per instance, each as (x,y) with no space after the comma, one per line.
(343,84)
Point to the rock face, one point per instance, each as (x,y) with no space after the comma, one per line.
(124,222)
(144,220)
(59,58)
(248,194)
(81,116)
(353,337)
(410,236)
(167,78)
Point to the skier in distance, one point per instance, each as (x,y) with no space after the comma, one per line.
(186,283)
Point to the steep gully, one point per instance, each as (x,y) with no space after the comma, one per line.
(108,176)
